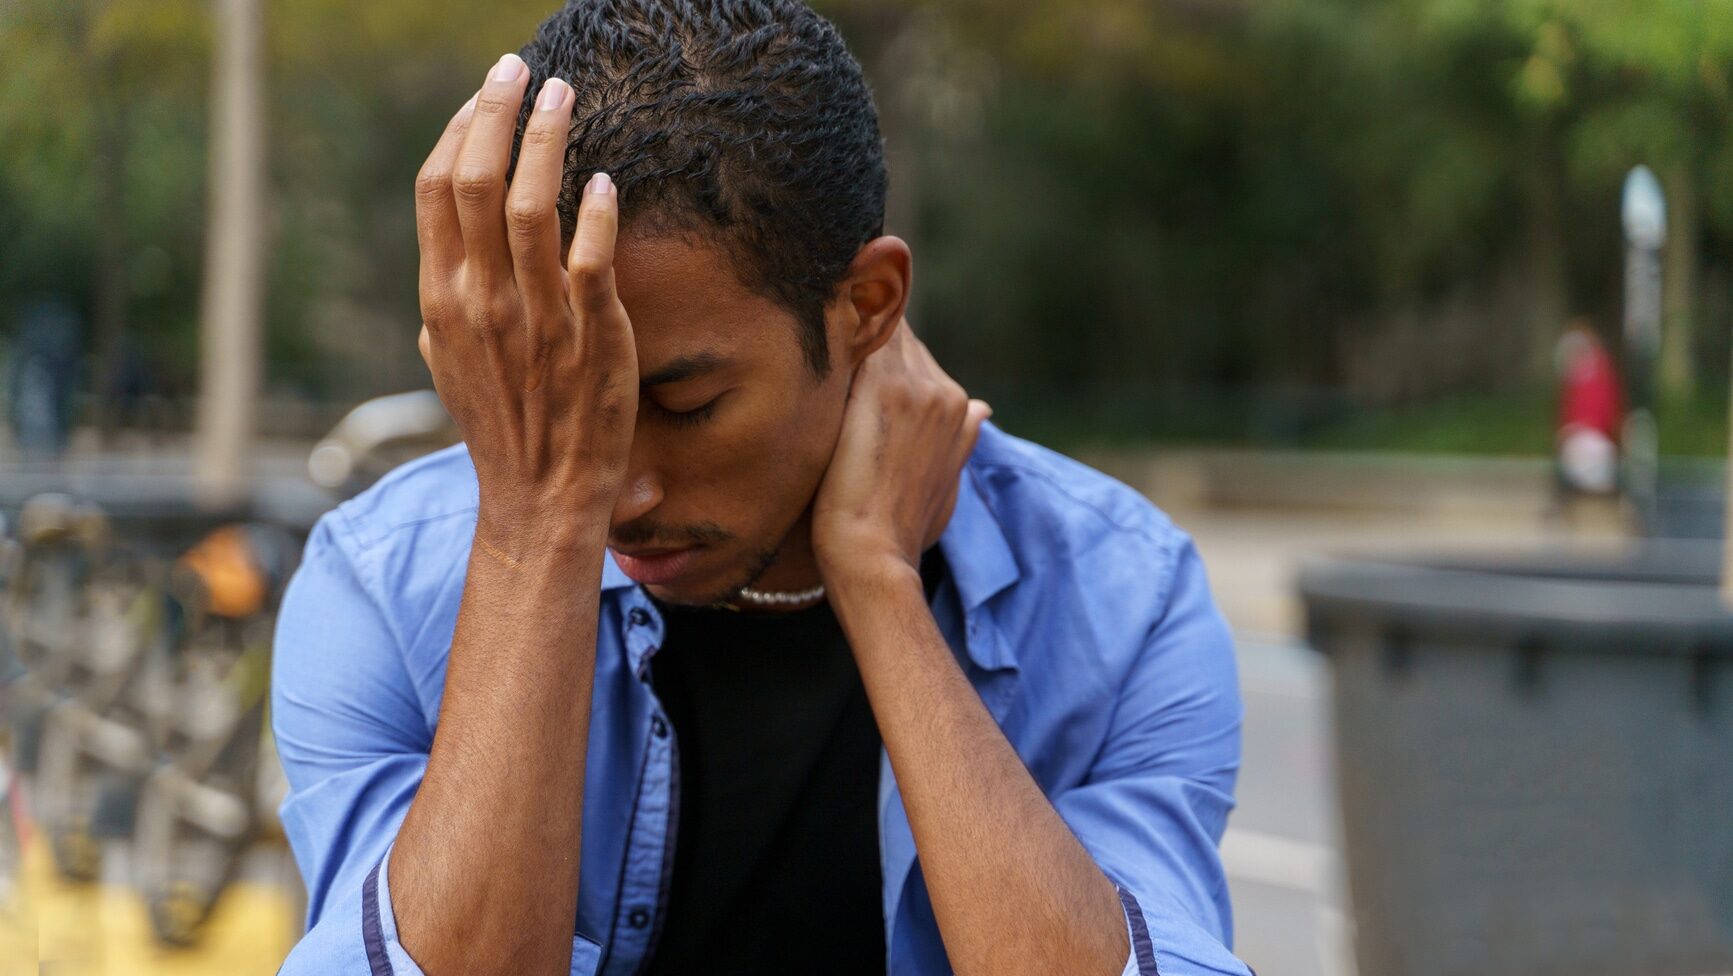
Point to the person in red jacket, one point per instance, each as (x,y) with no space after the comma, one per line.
(1591,410)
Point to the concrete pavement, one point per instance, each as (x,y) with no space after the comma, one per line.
(1292,908)
(1292,916)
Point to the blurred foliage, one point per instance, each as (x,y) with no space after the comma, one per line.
(1399,199)
(356,94)
(1694,424)
(1510,422)
(1209,219)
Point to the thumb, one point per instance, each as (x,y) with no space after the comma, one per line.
(978,413)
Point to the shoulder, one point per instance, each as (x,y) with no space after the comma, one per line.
(1108,603)
(432,489)
(1059,514)
(355,635)
(1101,574)
(403,543)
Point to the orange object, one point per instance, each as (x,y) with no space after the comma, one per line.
(223,562)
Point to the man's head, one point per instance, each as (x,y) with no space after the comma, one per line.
(745,145)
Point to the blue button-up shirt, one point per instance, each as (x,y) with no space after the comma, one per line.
(1078,611)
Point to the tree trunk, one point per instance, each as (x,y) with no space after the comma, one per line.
(1679,283)
(1548,262)
(233,304)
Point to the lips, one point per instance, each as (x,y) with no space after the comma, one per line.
(656,566)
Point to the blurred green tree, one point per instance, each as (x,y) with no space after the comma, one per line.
(1135,217)
(99,133)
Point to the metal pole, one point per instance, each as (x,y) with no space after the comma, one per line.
(1727,522)
(1644,215)
(230,347)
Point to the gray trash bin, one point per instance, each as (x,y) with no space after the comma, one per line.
(1690,500)
(1536,762)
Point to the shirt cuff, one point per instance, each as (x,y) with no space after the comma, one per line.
(1141,960)
(385,954)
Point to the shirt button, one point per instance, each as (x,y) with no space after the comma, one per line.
(659,727)
(638,919)
(639,616)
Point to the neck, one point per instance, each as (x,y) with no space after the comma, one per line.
(795,568)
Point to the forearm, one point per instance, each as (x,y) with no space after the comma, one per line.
(1012,888)
(484,874)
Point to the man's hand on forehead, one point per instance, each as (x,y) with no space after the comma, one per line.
(532,356)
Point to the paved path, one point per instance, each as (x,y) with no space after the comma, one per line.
(1281,851)
(1281,847)
(103,930)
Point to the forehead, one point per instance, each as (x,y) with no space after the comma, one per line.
(684,297)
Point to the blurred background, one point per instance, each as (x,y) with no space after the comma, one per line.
(1439,289)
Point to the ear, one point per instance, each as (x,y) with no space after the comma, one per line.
(872,297)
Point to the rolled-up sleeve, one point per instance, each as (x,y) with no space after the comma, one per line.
(1154,806)
(354,745)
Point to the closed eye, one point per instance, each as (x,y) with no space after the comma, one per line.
(686,418)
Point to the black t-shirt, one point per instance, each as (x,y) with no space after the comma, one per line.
(776,853)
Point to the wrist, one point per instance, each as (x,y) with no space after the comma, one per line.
(856,549)
(517,535)
(869,575)
(876,601)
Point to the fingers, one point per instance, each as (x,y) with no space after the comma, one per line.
(979,411)
(891,358)
(590,266)
(902,338)
(975,412)
(478,179)
(436,227)
(532,223)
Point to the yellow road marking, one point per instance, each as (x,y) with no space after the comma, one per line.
(104,930)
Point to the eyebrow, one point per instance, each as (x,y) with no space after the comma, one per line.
(686,367)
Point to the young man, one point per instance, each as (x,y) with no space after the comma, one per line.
(732,639)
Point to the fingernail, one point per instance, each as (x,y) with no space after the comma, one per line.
(468,106)
(508,68)
(599,184)
(553,94)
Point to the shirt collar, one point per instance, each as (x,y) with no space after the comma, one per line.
(981,565)
(977,555)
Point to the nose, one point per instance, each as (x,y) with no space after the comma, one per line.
(641,492)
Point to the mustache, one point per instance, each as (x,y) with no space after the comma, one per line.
(642,534)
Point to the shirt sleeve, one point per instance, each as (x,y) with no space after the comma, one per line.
(1156,801)
(354,744)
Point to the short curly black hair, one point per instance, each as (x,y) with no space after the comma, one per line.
(747,122)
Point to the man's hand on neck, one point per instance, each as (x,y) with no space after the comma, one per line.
(980,822)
